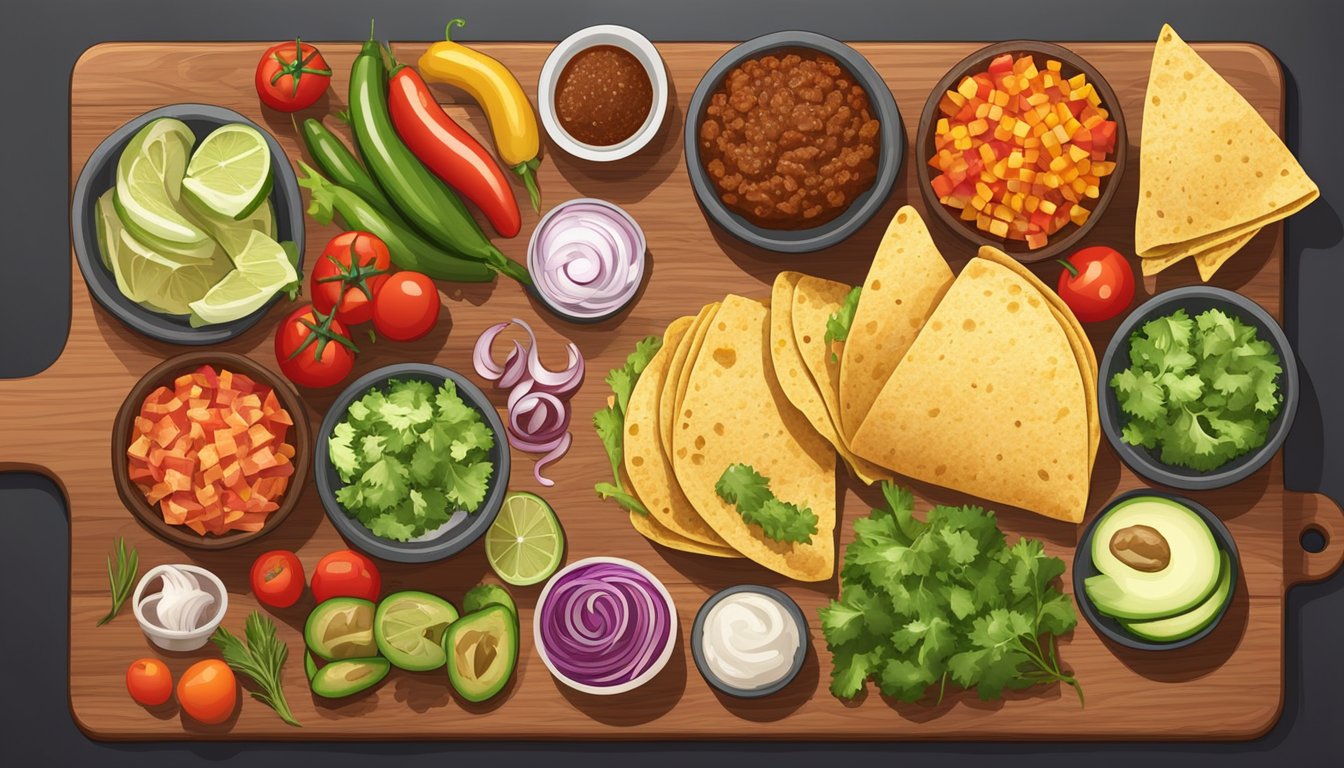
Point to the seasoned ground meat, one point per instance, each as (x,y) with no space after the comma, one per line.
(789,141)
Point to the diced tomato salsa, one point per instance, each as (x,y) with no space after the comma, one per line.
(211,451)
(1020,150)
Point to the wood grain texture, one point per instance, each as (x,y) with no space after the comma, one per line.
(1229,686)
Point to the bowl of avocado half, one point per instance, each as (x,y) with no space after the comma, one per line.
(1155,572)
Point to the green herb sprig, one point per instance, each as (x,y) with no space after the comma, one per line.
(610,421)
(841,320)
(746,488)
(121,578)
(261,660)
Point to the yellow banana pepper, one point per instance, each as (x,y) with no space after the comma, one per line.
(512,119)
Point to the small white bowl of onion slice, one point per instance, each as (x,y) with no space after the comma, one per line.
(179,607)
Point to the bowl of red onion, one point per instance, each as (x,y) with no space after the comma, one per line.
(587,260)
(605,626)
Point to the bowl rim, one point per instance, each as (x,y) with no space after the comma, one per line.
(643,268)
(1109,627)
(1109,188)
(1236,470)
(643,50)
(164,633)
(161,375)
(698,631)
(674,626)
(359,536)
(891,151)
(285,187)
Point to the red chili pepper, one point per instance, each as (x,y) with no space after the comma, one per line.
(449,151)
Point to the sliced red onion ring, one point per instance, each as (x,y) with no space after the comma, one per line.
(586,258)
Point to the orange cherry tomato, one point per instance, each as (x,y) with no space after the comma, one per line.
(277,578)
(208,691)
(149,682)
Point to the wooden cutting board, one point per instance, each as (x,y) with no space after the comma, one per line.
(1230,686)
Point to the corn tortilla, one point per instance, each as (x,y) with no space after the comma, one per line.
(814,301)
(905,282)
(735,412)
(667,398)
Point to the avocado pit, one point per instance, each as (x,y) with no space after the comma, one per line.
(1142,548)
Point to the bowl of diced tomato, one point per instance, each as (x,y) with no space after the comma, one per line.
(1022,146)
(210,450)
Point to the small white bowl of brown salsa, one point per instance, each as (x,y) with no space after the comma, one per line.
(603,93)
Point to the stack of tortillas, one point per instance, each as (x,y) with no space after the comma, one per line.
(1212,173)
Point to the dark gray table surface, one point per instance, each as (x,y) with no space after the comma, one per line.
(43,38)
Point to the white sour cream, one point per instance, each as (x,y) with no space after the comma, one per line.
(749,640)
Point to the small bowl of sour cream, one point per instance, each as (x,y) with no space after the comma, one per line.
(749,641)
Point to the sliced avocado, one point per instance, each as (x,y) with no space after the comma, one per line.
(349,676)
(1184,625)
(1156,558)
(482,595)
(409,627)
(341,628)
(482,650)
(309,666)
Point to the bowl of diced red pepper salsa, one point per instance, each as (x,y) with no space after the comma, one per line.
(1023,144)
(211,450)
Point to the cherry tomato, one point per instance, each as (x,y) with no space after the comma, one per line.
(407,307)
(314,349)
(277,578)
(346,573)
(348,274)
(292,76)
(208,691)
(1097,283)
(149,682)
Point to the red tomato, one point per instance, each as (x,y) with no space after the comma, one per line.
(149,682)
(407,307)
(1097,283)
(291,76)
(314,349)
(348,274)
(277,578)
(346,573)
(208,691)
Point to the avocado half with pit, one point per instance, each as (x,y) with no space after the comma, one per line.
(1183,625)
(1156,557)
(341,628)
(482,650)
(409,626)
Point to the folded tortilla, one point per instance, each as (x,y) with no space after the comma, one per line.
(734,411)
(681,357)
(798,384)
(1211,171)
(905,282)
(646,464)
(991,398)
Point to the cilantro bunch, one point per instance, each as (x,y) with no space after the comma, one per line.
(746,488)
(1204,390)
(927,603)
(841,320)
(610,421)
(411,456)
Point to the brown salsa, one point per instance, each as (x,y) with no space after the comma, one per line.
(603,96)
(789,140)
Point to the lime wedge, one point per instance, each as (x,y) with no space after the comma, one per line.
(149,183)
(109,240)
(230,173)
(163,283)
(202,250)
(265,263)
(233,234)
(525,543)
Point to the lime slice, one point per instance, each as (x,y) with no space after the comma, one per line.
(230,173)
(233,234)
(262,269)
(265,263)
(202,250)
(149,183)
(525,544)
(165,284)
(409,627)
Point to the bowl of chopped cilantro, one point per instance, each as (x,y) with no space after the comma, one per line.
(411,463)
(1198,388)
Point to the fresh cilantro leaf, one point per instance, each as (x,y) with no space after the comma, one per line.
(849,672)
(750,492)
(841,622)
(342,451)
(741,485)
(610,421)
(465,484)
(625,500)
(840,321)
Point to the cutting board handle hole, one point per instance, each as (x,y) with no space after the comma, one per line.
(1314,539)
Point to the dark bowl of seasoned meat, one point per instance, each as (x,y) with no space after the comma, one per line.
(793,142)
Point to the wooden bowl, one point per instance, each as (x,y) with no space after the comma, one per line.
(163,375)
(1063,242)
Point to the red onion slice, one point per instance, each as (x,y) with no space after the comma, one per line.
(481,358)
(587,258)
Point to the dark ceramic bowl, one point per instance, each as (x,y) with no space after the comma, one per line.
(1111,628)
(100,175)
(162,375)
(1065,241)
(698,632)
(462,529)
(891,152)
(1195,299)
